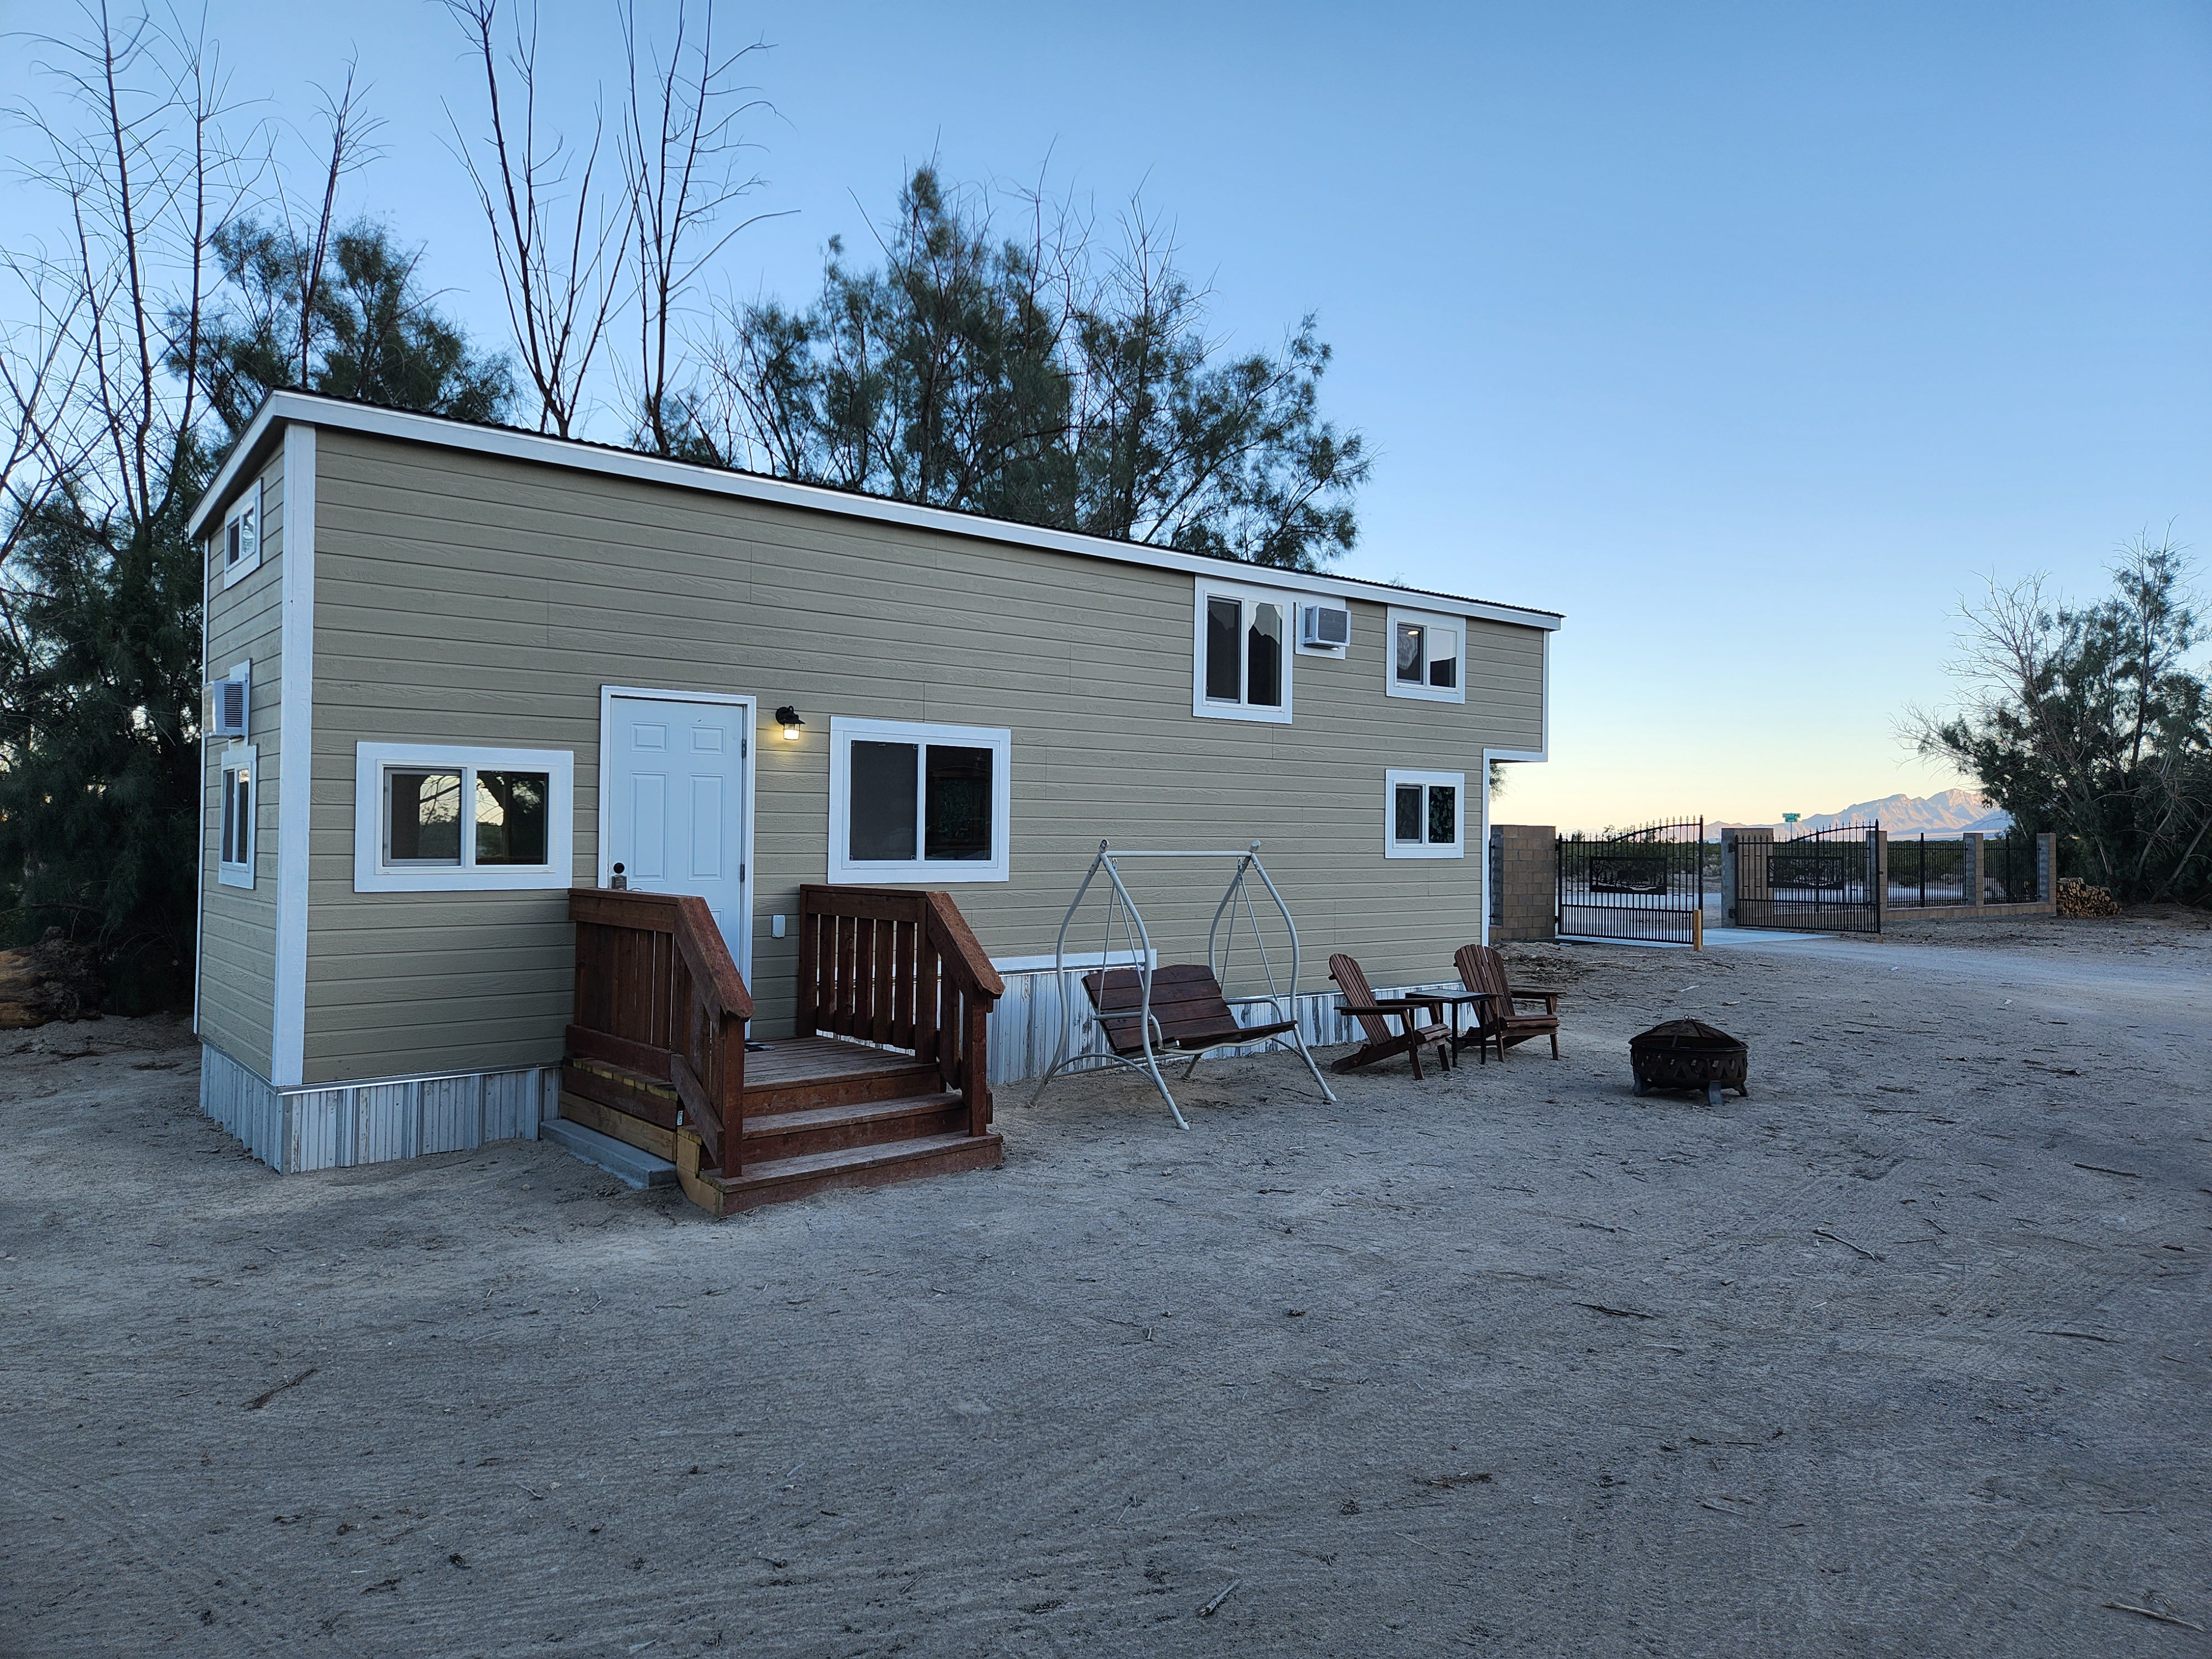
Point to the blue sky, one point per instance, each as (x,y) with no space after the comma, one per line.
(1750,337)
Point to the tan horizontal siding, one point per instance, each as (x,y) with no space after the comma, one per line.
(237,926)
(472,600)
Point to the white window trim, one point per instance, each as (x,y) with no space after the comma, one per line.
(1395,848)
(249,497)
(233,755)
(372,875)
(1424,692)
(1205,707)
(845,729)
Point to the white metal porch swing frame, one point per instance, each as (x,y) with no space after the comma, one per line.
(1137,942)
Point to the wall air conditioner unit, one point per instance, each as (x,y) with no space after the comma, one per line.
(1324,627)
(226,701)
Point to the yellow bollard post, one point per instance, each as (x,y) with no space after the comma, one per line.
(1697,930)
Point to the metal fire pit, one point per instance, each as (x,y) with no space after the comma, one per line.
(1688,1054)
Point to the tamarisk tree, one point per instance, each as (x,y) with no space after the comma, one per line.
(181,284)
(1047,377)
(2090,721)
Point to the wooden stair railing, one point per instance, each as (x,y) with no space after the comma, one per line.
(657,993)
(893,966)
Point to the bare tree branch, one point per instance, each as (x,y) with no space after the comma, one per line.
(680,148)
(560,268)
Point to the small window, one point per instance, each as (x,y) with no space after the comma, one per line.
(914,802)
(1422,820)
(239,549)
(433,816)
(235,840)
(1426,656)
(1243,648)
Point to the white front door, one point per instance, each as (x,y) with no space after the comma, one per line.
(676,802)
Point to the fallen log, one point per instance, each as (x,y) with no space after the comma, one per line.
(54,979)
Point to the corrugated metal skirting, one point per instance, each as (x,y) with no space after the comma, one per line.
(1025,1027)
(243,1102)
(343,1124)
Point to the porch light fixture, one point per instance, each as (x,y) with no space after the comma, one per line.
(788,718)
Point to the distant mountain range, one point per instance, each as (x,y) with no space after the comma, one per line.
(1953,813)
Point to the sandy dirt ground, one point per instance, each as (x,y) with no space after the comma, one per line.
(1907,1353)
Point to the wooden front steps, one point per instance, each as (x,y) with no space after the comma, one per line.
(819,1113)
(888,1077)
(867,1165)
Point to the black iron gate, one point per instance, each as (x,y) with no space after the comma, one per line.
(1825,881)
(1644,883)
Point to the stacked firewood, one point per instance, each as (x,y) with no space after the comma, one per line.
(2077,898)
(53,979)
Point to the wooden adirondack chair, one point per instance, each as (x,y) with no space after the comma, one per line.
(1481,969)
(1374,1015)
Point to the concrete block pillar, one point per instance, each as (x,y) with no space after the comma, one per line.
(1974,867)
(2046,868)
(1746,873)
(1527,906)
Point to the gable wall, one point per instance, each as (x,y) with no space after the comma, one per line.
(237,926)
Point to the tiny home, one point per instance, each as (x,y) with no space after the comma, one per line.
(461,679)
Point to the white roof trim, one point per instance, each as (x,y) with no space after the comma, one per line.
(548,451)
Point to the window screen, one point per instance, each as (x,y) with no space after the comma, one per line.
(958,821)
(422,816)
(1409,812)
(237,814)
(1224,620)
(1263,678)
(511,816)
(1443,814)
(882,813)
(1409,652)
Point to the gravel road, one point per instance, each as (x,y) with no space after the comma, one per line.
(1907,1353)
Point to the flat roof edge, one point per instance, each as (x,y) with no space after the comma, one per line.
(546,449)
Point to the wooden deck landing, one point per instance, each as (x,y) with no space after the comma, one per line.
(802,1062)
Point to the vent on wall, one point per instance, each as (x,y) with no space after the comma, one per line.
(1324,628)
(226,701)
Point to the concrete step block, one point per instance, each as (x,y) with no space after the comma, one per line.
(626,1162)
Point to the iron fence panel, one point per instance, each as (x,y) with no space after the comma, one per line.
(1645,883)
(2008,868)
(1924,872)
(1823,881)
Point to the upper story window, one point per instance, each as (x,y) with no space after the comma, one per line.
(915,801)
(1242,652)
(239,549)
(1427,656)
(434,817)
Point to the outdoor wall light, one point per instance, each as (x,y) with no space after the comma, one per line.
(788,718)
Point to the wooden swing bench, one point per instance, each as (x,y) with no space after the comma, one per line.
(1139,1016)
(1189,1012)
